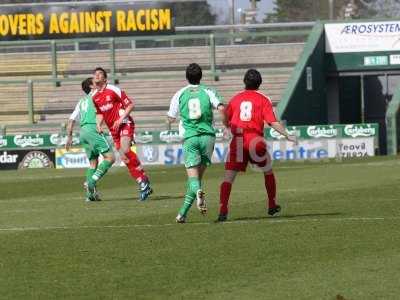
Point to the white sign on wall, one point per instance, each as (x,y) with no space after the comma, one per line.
(359,147)
(309,149)
(395,59)
(362,37)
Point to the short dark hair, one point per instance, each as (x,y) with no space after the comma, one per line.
(193,73)
(252,79)
(102,70)
(86,85)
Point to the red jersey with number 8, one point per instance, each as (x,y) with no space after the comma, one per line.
(247,111)
(111,103)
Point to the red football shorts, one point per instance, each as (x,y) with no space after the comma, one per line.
(124,130)
(248,148)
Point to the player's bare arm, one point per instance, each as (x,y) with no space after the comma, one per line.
(99,123)
(173,111)
(70,128)
(126,113)
(281,129)
(224,117)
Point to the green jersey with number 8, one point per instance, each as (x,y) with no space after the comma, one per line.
(195,103)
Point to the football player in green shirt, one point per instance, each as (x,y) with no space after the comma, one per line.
(93,142)
(195,103)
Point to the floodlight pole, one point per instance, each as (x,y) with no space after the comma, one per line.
(232,11)
(232,18)
(331,9)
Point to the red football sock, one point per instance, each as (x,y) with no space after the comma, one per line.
(270,186)
(225,191)
(134,167)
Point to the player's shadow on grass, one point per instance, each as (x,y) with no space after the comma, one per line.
(304,216)
(151,198)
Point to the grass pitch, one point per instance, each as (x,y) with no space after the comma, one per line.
(338,234)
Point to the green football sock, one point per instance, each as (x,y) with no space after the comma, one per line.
(193,185)
(89,174)
(100,171)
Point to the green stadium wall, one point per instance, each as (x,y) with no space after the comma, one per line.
(342,62)
(301,104)
(298,104)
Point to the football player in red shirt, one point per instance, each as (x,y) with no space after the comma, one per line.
(245,115)
(113,108)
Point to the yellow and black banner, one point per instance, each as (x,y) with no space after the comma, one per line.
(39,22)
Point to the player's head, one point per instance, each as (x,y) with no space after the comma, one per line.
(99,75)
(193,73)
(252,79)
(87,85)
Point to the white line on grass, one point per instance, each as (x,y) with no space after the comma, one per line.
(262,220)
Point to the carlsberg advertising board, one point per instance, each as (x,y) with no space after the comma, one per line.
(165,147)
(28,141)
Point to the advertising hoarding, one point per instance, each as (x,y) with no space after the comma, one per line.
(64,21)
(27,159)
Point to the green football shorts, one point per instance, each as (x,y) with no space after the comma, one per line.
(93,142)
(198,150)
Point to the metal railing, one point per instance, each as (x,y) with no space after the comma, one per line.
(259,33)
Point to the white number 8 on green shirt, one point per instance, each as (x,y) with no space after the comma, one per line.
(194,109)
